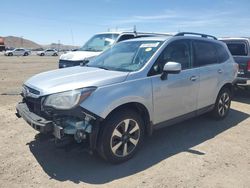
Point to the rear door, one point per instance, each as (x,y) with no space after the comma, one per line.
(210,72)
(177,95)
(16,52)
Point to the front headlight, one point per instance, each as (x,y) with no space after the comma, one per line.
(69,99)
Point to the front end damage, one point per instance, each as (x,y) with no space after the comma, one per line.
(78,123)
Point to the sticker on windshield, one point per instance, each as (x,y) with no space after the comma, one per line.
(148,49)
(150,45)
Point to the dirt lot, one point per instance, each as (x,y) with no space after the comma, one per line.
(197,153)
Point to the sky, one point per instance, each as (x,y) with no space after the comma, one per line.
(75,21)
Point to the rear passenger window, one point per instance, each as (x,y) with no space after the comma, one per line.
(204,53)
(222,53)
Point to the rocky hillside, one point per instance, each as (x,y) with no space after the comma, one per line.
(17,42)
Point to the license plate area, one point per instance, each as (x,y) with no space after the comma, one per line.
(58,132)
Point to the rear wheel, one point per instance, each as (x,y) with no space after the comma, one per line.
(222,104)
(10,54)
(26,54)
(42,54)
(121,137)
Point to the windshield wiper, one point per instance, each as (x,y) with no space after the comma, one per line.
(105,68)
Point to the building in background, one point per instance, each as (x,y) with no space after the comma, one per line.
(2,46)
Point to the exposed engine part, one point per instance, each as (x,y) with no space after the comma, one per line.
(80,135)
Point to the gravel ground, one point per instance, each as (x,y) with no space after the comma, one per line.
(200,152)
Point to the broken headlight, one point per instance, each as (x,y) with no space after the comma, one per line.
(69,99)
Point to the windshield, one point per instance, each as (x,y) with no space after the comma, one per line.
(99,42)
(126,56)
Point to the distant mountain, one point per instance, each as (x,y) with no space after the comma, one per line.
(18,42)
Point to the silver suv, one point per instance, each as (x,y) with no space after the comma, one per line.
(130,90)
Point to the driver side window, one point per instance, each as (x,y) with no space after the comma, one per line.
(177,51)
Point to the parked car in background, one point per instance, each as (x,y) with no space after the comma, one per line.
(48,52)
(18,52)
(131,89)
(240,49)
(96,45)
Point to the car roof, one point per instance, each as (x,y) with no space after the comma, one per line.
(165,38)
(137,33)
(156,38)
(114,32)
(234,38)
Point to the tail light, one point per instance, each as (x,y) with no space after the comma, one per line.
(248,66)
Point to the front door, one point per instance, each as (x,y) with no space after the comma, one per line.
(177,95)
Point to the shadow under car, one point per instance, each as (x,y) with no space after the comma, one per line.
(77,166)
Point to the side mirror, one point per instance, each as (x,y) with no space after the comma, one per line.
(170,68)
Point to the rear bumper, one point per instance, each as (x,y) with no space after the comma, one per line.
(38,123)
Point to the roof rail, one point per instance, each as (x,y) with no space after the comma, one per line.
(200,34)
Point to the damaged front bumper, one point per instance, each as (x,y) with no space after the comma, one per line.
(38,123)
(86,128)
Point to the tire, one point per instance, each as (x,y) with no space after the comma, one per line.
(42,54)
(10,54)
(222,104)
(25,54)
(121,137)
(55,54)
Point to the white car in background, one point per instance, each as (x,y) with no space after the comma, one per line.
(48,52)
(18,52)
(98,44)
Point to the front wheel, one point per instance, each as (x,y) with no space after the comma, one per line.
(121,137)
(222,104)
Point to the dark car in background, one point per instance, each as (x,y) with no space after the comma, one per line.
(240,49)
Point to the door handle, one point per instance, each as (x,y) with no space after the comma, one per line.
(220,71)
(193,78)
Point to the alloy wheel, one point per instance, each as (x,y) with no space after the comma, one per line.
(125,138)
(224,104)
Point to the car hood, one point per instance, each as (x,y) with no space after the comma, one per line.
(79,55)
(73,78)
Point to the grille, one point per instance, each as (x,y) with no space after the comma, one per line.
(34,105)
